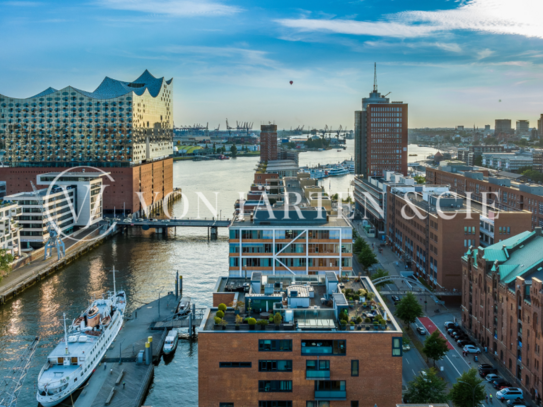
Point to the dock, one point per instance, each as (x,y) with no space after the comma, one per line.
(105,386)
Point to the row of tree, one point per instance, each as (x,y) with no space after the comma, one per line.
(363,252)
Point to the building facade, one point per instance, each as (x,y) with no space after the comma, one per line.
(122,125)
(503,192)
(502,304)
(380,136)
(502,126)
(310,358)
(507,161)
(268,142)
(10,240)
(523,127)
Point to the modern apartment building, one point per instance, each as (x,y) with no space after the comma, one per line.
(380,136)
(310,358)
(10,240)
(507,161)
(123,125)
(502,293)
(502,126)
(268,142)
(432,229)
(523,127)
(504,193)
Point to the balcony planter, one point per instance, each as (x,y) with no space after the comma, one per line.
(237,327)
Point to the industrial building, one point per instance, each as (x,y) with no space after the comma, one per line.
(125,128)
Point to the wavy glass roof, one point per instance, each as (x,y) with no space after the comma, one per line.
(112,88)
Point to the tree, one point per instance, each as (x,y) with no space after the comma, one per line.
(367,257)
(419,179)
(5,263)
(214,148)
(468,390)
(234,150)
(426,388)
(478,160)
(380,273)
(435,346)
(359,245)
(408,309)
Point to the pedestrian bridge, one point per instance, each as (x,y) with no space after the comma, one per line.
(167,223)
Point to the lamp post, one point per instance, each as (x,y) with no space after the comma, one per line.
(472,391)
(120,351)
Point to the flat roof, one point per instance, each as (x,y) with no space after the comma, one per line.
(75,174)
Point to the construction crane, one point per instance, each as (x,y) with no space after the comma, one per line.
(244,126)
(228,127)
(12,380)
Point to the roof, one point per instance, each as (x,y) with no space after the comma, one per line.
(112,88)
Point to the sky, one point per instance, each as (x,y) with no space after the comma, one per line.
(463,62)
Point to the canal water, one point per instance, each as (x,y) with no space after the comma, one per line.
(147,263)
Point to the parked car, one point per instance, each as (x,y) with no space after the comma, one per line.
(491,377)
(406,347)
(511,393)
(421,330)
(461,337)
(516,403)
(450,324)
(458,334)
(464,342)
(500,383)
(451,331)
(395,298)
(472,349)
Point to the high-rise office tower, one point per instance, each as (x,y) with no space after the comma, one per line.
(380,135)
(268,142)
(502,126)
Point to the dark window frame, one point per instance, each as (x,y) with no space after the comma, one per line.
(274,403)
(261,384)
(317,365)
(233,364)
(324,353)
(261,362)
(226,404)
(355,372)
(400,348)
(274,344)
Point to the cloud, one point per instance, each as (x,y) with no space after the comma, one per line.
(492,16)
(445,46)
(177,8)
(485,53)
(21,3)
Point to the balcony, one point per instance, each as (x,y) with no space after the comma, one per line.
(317,374)
(330,394)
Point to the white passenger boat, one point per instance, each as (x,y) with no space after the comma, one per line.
(170,343)
(84,344)
(338,171)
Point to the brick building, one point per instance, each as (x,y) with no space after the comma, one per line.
(502,127)
(433,241)
(505,193)
(502,299)
(380,134)
(268,142)
(310,359)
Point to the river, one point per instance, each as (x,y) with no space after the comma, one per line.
(147,263)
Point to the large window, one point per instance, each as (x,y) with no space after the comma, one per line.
(320,403)
(275,365)
(275,345)
(330,389)
(397,347)
(226,404)
(234,364)
(275,403)
(317,369)
(274,386)
(324,347)
(354,368)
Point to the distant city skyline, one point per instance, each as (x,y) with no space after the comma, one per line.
(463,62)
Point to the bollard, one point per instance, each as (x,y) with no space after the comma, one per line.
(181,286)
(148,355)
(176,284)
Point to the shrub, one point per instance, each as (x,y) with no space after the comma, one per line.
(239,319)
(222,307)
(277,318)
(262,322)
(220,314)
(358,320)
(367,320)
(352,322)
(251,321)
(270,319)
(217,320)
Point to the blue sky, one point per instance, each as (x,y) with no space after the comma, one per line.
(452,61)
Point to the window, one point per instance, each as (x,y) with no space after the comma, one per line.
(226,404)
(354,367)
(275,365)
(275,345)
(234,364)
(317,404)
(323,347)
(354,403)
(397,347)
(275,403)
(269,386)
(317,365)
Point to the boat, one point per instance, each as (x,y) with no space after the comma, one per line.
(349,165)
(338,171)
(339,151)
(84,345)
(183,309)
(170,343)
(412,155)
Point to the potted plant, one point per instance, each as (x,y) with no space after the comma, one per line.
(220,314)
(217,322)
(224,324)
(277,319)
(352,325)
(252,323)
(238,306)
(239,320)
(262,323)
(222,307)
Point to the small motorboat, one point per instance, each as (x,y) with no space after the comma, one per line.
(170,343)
(183,309)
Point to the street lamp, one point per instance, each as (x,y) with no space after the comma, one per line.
(120,351)
(472,390)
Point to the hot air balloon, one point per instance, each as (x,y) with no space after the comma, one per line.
(291,82)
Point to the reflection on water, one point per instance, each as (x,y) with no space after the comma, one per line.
(147,263)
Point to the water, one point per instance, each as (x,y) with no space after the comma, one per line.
(147,263)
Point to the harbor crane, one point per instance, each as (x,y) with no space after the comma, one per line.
(13,379)
(228,127)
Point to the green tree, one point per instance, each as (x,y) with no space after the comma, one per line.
(5,263)
(426,388)
(234,150)
(367,257)
(478,160)
(468,390)
(409,309)
(359,245)
(214,148)
(435,346)
(380,273)
(419,179)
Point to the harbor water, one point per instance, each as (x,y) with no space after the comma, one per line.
(147,264)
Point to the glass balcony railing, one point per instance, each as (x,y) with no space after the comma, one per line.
(331,394)
(317,374)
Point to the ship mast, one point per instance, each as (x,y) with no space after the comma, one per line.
(65,334)
(114,288)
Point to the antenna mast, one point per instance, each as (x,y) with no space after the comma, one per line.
(375,76)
